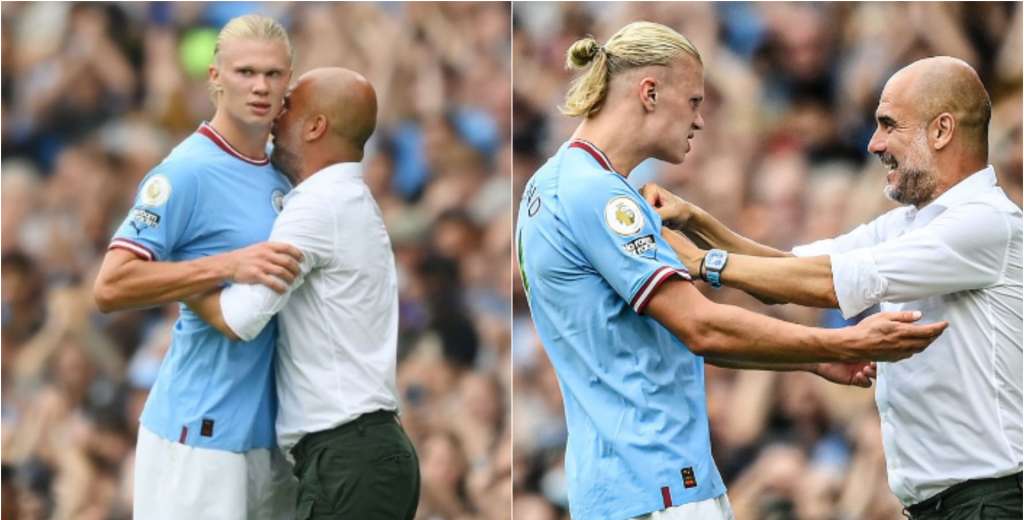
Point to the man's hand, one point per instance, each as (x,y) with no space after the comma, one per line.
(273,264)
(891,336)
(675,212)
(854,374)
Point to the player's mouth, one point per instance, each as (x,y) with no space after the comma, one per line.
(259,108)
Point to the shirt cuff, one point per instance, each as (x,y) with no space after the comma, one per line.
(819,248)
(856,280)
(236,309)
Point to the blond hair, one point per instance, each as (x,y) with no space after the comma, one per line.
(639,44)
(250,26)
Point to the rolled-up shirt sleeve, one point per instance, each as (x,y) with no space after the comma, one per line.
(962,249)
(304,223)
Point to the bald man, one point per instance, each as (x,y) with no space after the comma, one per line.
(337,349)
(951,415)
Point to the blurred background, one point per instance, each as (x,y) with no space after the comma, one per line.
(790,92)
(94,95)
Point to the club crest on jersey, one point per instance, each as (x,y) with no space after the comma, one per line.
(623,216)
(155,191)
(277,201)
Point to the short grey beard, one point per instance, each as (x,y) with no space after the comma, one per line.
(916,184)
(914,187)
(286,163)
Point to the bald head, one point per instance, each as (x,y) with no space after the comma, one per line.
(330,114)
(346,98)
(942,84)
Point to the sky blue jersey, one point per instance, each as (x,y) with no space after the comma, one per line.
(206,198)
(591,256)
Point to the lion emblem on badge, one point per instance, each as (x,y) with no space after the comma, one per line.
(623,216)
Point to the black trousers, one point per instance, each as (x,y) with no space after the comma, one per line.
(364,469)
(983,499)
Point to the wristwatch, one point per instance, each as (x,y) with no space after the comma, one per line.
(714,262)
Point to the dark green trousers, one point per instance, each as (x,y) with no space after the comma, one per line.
(984,499)
(365,469)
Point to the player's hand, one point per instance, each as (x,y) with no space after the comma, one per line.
(854,374)
(675,212)
(273,264)
(891,336)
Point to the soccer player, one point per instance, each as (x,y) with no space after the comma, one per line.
(613,304)
(206,446)
(951,417)
(337,351)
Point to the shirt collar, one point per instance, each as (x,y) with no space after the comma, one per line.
(323,176)
(963,191)
(208,131)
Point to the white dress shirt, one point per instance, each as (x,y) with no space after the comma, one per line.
(337,348)
(952,412)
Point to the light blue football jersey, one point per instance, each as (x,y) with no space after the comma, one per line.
(591,256)
(206,198)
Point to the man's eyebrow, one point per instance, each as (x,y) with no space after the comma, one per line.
(885,120)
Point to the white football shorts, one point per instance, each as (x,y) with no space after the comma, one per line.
(174,481)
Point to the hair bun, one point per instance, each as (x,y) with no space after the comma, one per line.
(582,52)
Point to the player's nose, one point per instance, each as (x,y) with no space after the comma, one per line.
(261,85)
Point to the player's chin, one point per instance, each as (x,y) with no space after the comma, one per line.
(676,156)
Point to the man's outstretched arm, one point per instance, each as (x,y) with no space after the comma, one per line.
(701,226)
(126,281)
(801,280)
(859,373)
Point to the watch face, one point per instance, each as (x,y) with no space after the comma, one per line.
(715,260)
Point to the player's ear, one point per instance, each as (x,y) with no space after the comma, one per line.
(213,73)
(648,93)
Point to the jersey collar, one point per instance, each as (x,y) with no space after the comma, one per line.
(210,133)
(594,152)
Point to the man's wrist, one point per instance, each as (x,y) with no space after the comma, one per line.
(844,344)
(695,217)
(696,259)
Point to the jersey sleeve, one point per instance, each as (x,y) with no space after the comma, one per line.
(620,236)
(159,219)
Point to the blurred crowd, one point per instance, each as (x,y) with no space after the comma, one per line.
(94,95)
(790,95)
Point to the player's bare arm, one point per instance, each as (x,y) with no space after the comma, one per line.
(704,229)
(126,281)
(729,333)
(801,280)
